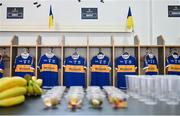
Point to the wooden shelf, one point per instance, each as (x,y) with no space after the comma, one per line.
(172,46)
(66,29)
(56,31)
(125,46)
(49,46)
(100,46)
(24,46)
(5,46)
(75,46)
(151,46)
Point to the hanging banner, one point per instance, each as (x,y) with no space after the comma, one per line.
(89,13)
(174,11)
(15,12)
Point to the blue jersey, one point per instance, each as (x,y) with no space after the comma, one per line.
(100,71)
(24,66)
(173,65)
(49,68)
(125,67)
(150,65)
(74,71)
(1,67)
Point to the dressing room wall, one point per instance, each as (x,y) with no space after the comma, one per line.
(150,18)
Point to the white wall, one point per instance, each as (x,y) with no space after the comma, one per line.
(112,14)
(168,27)
(67,13)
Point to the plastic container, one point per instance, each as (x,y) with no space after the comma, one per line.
(151,91)
(74,100)
(53,97)
(50,100)
(95,97)
(173,90)
(96,100)
(75,97)
(118,100)
(116,97)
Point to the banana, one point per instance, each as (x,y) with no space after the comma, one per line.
(30,90)
(16,91)
(34,78)
(4,79)
(27,77)
(37,89)
(39,82)
(7,83)
(12,101)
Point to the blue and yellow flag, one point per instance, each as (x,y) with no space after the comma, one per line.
(51,20)
(130,23)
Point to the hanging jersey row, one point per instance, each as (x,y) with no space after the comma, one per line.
(100,68)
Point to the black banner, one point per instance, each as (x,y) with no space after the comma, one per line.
(15,12)
(174,11)
(89,13)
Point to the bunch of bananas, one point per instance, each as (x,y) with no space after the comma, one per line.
(33,86)
(12,91)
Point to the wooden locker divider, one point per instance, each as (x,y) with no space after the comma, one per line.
(62,58)
(88,63)
(38,53)
(161,54)
(14,41)
(137,53)
(113,60)
(112,76)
